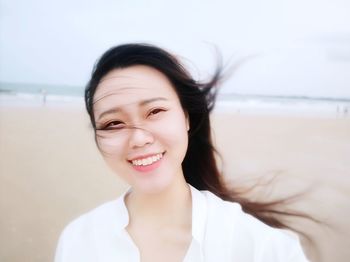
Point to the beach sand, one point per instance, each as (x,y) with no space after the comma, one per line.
(51,172)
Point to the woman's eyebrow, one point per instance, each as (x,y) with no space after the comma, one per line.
(141,103)
(151,100)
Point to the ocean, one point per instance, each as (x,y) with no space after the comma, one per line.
(24,94)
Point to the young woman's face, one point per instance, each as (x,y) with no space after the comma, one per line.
(141,128)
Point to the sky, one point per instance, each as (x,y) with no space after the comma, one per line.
(289,47)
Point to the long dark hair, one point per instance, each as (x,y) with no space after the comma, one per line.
(197,99)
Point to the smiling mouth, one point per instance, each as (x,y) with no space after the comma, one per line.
(147,160)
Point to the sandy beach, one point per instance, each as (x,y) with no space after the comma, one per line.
(51,172)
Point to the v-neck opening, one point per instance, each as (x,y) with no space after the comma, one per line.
(198,209)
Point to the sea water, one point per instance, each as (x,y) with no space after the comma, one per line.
(14,94)
(23,94)
(281,105)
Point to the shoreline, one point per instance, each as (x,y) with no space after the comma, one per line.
(300,108)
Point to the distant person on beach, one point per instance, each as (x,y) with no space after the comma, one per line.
(151,124)
(44,93)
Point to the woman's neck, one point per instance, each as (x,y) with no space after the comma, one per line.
(172,206)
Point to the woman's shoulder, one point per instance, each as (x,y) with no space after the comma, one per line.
(78,238)
(231,213)
(101,213)
(227,220)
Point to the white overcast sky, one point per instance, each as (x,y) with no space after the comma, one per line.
(301,47)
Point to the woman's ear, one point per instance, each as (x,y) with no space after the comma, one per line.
(187,121)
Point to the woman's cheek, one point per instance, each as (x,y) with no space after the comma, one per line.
(173,130)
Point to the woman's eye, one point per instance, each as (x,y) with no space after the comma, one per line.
(114,125)
(156,111)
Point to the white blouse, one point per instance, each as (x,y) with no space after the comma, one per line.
(221,231)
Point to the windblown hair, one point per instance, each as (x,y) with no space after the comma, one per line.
(197,100)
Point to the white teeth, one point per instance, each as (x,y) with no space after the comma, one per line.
(147,161)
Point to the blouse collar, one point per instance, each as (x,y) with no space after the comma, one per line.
(199,214)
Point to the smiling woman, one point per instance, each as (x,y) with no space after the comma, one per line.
(141,128)
(151,122)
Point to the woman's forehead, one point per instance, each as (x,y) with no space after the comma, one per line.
(134,80)
(137,75)
(130,86)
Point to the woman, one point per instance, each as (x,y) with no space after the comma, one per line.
(151,122)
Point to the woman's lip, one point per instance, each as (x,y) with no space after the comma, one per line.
(146,169)
(145,156)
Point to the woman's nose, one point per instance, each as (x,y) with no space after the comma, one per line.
(140,137)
